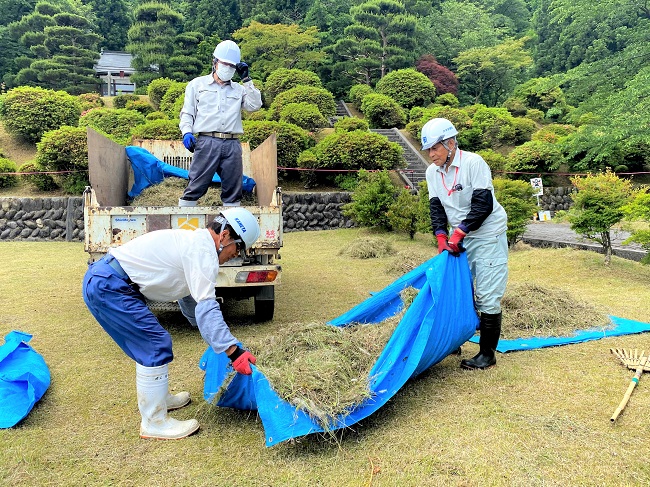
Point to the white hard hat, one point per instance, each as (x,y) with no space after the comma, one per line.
(244,223)
(437,130)
(228,52)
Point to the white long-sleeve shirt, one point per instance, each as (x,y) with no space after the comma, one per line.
(168,265)
(213,107)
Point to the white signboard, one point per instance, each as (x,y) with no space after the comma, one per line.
(537,185)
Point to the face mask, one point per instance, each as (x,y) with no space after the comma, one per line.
(224,72)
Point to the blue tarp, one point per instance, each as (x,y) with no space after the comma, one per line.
(24,378)
(440,319)
(621,327)
(149,170)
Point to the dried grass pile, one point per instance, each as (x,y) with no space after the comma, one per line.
(368,248)
(323,369)
(533,310)
(171,189)
(406,261)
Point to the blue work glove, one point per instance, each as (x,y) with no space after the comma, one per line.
(456,241)
(242,71)
(189,141)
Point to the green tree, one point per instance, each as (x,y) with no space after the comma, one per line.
(212,17)
(151,40)
(407,87)
(275,11)
(113,22)
(638,209)
(598,206)
(518,201)
(382,38)
(371,200)
(269,47)
(403,213)
(487,75)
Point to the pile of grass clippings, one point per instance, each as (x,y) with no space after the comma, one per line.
(368,248)
(323,369)
(533,310)
(171,189)
(406,261)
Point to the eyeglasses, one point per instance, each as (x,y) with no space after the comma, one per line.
(239,246)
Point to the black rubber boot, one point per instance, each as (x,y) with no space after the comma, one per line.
(490,327)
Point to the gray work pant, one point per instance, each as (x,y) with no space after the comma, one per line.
(223,156)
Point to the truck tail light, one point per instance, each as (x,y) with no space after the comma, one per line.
(256,276)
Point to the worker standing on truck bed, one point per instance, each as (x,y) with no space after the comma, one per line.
(168,265)
(212,110)
(461,196)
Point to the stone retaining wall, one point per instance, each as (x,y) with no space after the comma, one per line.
(62,218)
(42,219)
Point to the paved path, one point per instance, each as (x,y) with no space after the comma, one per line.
(546,234)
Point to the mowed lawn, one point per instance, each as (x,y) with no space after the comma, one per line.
(538,418)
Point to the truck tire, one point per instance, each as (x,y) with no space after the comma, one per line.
(265,304)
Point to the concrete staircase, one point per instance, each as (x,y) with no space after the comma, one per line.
(341,111)
(416,162)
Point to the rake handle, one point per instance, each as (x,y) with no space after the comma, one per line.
(630,388)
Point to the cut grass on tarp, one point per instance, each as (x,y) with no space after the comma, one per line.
(368,248)
(533,310)
(324,370)
(171,189)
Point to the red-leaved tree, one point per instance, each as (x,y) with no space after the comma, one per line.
(444,80)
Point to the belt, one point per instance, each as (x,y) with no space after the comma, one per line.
(220,135)
(112,261)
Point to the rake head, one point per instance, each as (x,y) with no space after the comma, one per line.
(632,358)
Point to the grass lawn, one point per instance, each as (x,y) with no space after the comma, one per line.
(537,418)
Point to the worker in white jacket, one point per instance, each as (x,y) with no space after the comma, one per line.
(168,265)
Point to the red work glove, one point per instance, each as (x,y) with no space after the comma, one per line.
(442,243)
(241,360)
(455,241)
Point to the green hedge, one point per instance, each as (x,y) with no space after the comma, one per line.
(65,149)
(320,97)
(357,93)
(292,140)
(157,89)
(7,180)
(284,79)
(407,87)
(350,124)
(120,101)
(304,115)
(158,129)
(116,123)
(382,112)
(172,100)
(44,182)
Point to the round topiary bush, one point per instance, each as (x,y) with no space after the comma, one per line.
(158,129)
(157,116)
(90,100)
(30,112)
(447,100)
(304,115)
(382,112)
(407,87)
(63,150)
(350,124)
(284,79)
(116,123)
(142,106)
(554,132)
(7,166)
(534,156)
(120,101)
(357,93)
(157,89)
(44,182)
(320,97)
(292,140)
(170,101)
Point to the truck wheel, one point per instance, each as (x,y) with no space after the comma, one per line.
(265,304)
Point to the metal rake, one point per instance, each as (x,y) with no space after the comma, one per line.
(634,360)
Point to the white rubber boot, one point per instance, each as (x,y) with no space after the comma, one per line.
(177,401)
(153,388)
(186,203)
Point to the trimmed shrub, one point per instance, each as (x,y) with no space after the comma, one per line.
(371,200)
(90,100)
(320,97)
(7,180)
(120,101)
(407,87)
(534,156)
(156,116)
(116,123)
(357,94)
(403,213)
(261,114)
(535,115)
(158,129)
(350,124)
(517,200)
(497,125)
(157,89)
(284,79)
(170,100)
(30,112)
(142,106)
(553,133)
(496,161)
(447,100)
(457,116)
(382,112)
(44,182)
(304,115)
(524,129)
(292,140)
(65,149)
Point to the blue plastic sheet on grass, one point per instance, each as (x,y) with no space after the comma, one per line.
(149,170)
(439,320)
(622,326)
(24,378)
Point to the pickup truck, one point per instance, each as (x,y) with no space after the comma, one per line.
(108,222)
